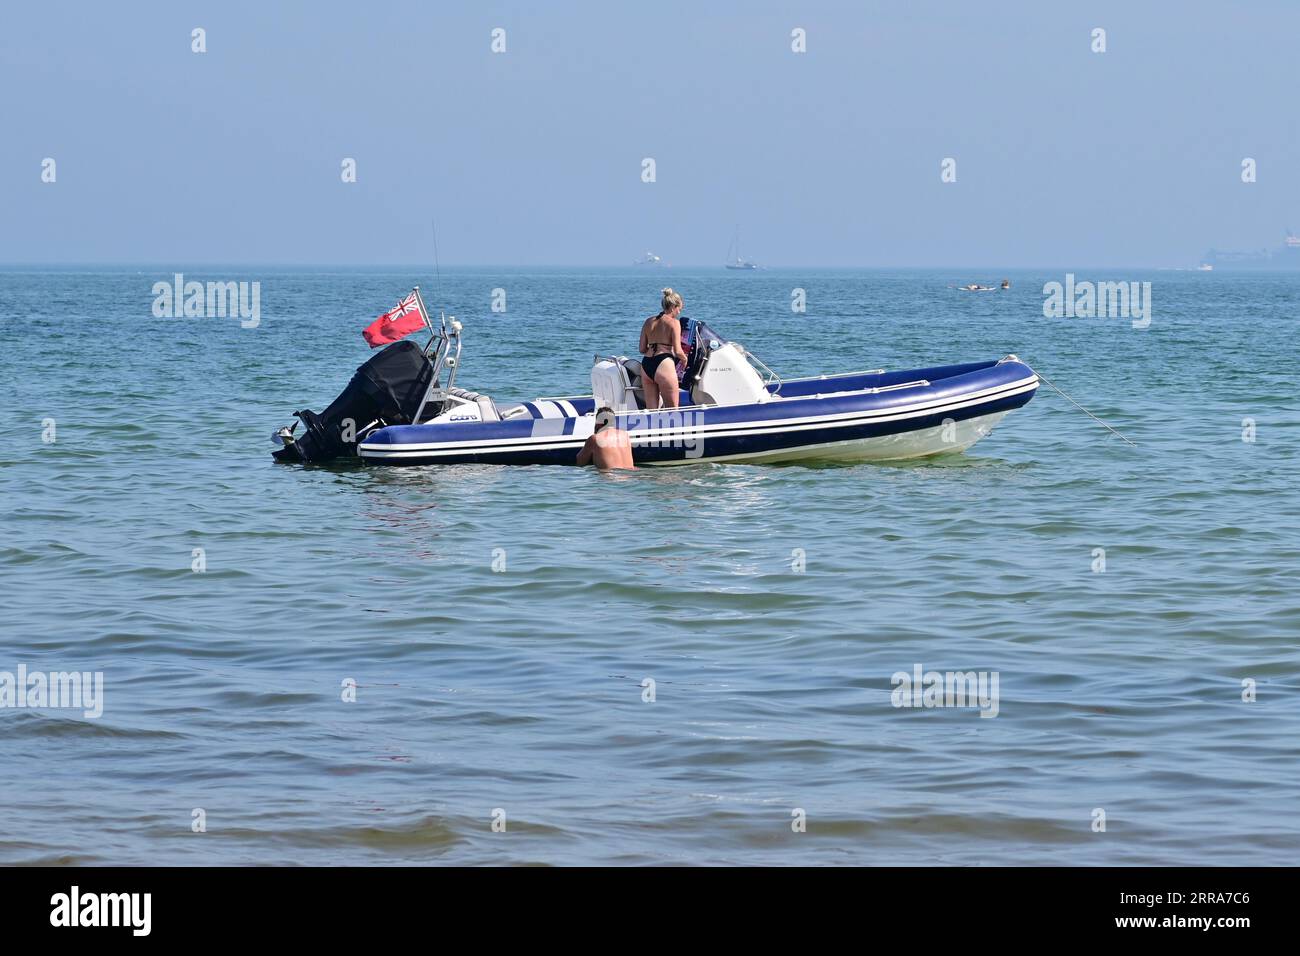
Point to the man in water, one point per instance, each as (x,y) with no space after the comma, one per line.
(609,446)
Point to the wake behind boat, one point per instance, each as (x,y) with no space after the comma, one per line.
(403,407)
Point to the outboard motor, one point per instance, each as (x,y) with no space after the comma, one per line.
(388,389)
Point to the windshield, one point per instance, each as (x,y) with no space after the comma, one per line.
(701,332)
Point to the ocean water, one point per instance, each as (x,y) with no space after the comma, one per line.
(771,606)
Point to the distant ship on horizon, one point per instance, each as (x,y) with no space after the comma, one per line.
(738,262)
(650,259)
(1286,256)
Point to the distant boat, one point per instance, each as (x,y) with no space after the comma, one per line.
(736,261)
(1283,257)
(649,259)
(1205,267)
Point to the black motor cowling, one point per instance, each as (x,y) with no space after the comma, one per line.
(389,388)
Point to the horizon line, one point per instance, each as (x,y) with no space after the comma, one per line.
(649,270)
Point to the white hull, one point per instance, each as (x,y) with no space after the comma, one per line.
(917,444)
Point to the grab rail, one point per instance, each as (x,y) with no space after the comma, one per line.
(771,375)
(865,371)
(890,388)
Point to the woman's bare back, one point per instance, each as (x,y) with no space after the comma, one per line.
(659,330)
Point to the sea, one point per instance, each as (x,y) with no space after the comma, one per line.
(708,664)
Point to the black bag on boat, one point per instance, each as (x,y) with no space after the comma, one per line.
(389,387)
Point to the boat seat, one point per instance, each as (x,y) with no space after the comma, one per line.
(488,410)
(635,373)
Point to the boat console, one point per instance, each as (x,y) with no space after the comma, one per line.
(718,372)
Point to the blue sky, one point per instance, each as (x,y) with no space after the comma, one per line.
(1065,157)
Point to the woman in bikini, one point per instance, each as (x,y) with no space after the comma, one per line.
(661,346)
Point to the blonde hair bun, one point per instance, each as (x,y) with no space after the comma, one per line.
(671,300)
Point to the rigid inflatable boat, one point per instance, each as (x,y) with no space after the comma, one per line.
(398,410)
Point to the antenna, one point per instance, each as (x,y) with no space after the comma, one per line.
(437,284)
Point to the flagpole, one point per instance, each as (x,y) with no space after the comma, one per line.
(424,314)
(433,381)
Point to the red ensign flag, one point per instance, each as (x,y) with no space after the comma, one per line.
(401,321)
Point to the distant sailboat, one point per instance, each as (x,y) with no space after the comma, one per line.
(734,259)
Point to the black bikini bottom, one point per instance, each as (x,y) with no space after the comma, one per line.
(652,362)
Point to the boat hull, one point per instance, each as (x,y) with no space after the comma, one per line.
(859,416)
(921,443)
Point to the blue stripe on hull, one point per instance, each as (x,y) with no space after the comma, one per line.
(731,445)
(757,428)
